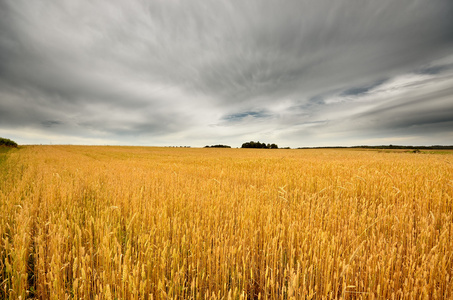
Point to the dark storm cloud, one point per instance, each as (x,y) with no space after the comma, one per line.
(164,71)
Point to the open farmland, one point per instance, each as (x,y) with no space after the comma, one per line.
(155,223)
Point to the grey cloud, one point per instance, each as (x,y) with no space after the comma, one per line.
(50,123)
(417,110)
(414,113)
(436,69)
(362,89)
(171,68)
(242,115)
(352,42)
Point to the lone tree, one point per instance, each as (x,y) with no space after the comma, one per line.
(7,143)
(259,145)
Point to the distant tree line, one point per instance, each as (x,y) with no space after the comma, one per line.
(178,146)
(434,147)
(217,146)
(259,145)
(7,143)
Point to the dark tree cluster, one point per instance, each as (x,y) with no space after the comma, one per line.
(217,146)
(7,143)
(259,145)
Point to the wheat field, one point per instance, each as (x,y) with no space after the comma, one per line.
(88,222)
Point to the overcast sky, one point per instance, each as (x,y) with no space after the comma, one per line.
(198,72)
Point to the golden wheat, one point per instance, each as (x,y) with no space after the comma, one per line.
(156,223)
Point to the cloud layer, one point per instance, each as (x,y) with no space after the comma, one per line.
(298,73)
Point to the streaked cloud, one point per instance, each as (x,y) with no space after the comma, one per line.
(297,73)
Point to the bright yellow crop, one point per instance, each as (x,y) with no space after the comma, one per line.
(156,223)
